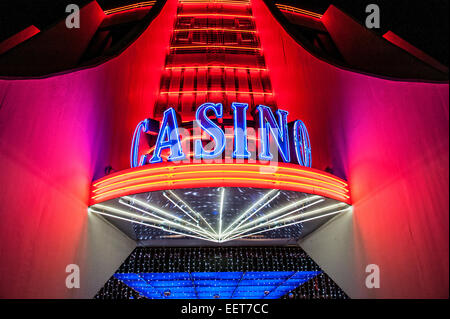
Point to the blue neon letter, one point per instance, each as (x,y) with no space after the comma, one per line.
(302,144)
(267,123)
(168,137)
(212,129)
(240,130)
(142,127)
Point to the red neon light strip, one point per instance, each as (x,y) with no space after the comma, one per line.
(281,168)
(246,168)
(212,1)
(214,67)
(130,7)
(215,91)
(214,29)
(215,178)
(194,15)
(167,180)
(212,46)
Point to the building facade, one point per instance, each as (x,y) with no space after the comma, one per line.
(325,136)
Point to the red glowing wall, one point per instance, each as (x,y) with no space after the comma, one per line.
(389,139)
(56,136)
(215,56)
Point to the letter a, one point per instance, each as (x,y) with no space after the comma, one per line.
(168,137)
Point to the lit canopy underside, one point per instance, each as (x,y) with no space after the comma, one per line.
(219,214)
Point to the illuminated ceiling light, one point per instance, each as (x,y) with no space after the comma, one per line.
(132,217)
(298,209)
(179,207)
(192,166)
(256,211)
(91,210)
(279,211)
(292,224)
(298,10)
(245,228)
(194,228)
(221,212)
(192,211)
(214,29)
(160,220)
(250,209)
(216,91)
(130,7)
(167,183)
(240,227)
(214,15)
(215,67)
(273,221)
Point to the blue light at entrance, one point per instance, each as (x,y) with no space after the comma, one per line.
(211,285)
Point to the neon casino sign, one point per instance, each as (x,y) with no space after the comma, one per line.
(211,178)
(291,139)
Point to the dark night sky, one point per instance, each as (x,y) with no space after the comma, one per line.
(423,23)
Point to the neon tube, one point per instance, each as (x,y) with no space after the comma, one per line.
(195,15)
(213,46)
(269,222)
(192,211)
(214,91)
(214,29)
(213,171)
(149,225)
(256,211)
(189,167)
(220,2)
(250,209)
(282,226)
(295,223)
(179,207)
(220,212)
(130,7)
(164,221)
(221,181)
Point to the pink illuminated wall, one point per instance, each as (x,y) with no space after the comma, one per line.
(389,139)
(56,135)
